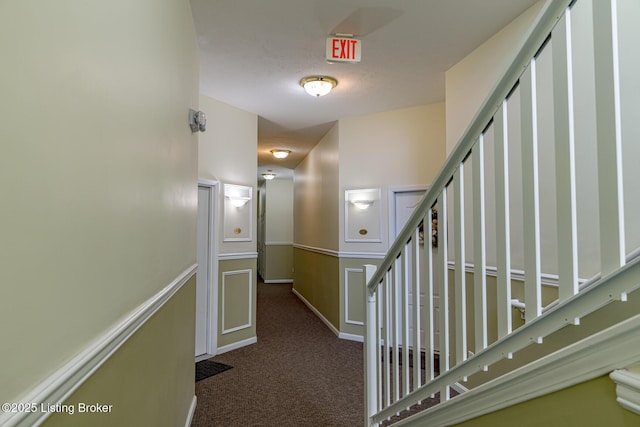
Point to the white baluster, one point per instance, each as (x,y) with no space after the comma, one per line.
(530,192)
(565,159)
(460,272)
(371,360)
(479,248)
(609,136)
(503,251)
(444,290)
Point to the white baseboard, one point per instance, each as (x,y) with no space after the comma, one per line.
(192,411)
(317,313)
(205,356)
(237,345)
(62,383)
(278,281)
(351,337)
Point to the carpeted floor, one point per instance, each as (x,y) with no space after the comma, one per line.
(298,374)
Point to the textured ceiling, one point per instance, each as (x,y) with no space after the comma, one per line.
(254,53)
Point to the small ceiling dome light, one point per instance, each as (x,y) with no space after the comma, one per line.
(280,154)
(269,175)
(318,85)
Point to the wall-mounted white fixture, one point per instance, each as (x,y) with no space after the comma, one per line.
(318,85)
(238,213)
(280,154)
(269,175)
(239,202)
(197,121)
(363,215)
(362,204)
(238,195)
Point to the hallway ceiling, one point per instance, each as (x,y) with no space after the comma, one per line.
(254,53)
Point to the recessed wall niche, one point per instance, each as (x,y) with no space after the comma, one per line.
(238,206)
(363,215)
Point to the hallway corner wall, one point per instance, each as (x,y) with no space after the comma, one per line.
(227,153)
(99,189)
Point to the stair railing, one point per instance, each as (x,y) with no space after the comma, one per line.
(413,354)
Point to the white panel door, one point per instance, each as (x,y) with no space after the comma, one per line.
(404,203)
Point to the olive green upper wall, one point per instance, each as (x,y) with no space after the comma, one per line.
(98,171)
(589,404)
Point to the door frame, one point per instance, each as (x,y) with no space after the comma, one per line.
(212,260)
(393,191)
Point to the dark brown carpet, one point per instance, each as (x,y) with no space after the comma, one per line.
(298,374)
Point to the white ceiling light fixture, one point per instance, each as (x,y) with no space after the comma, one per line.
(269,175)
(280,154)
(318,85)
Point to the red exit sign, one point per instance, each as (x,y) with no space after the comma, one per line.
(343,49)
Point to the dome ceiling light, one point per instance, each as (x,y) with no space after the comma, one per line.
(269,175)
(280,154)
(318,85)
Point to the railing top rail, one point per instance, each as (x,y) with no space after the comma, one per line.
(546,20)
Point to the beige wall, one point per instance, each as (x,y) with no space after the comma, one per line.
(470,81)
(316,195)
(228,154)
(396,148)
(279,211)
(356,154)
(277,245)
(98,178)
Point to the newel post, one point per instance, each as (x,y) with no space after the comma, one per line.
(370,348)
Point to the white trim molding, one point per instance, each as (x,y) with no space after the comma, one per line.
(340,254)
(346,295)
(239,255)
(61,384)
(225,274)
(278,243)
(350,337)
(585,360)
(362,255)
(237,345)
(322,251)
(276,281)
(192,411)
(627,389)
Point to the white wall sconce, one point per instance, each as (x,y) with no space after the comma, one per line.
(238,213)
(362,204)
(363,215)
(197,121)
(239,202)
(318,85)
(238,195)
(280,154)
